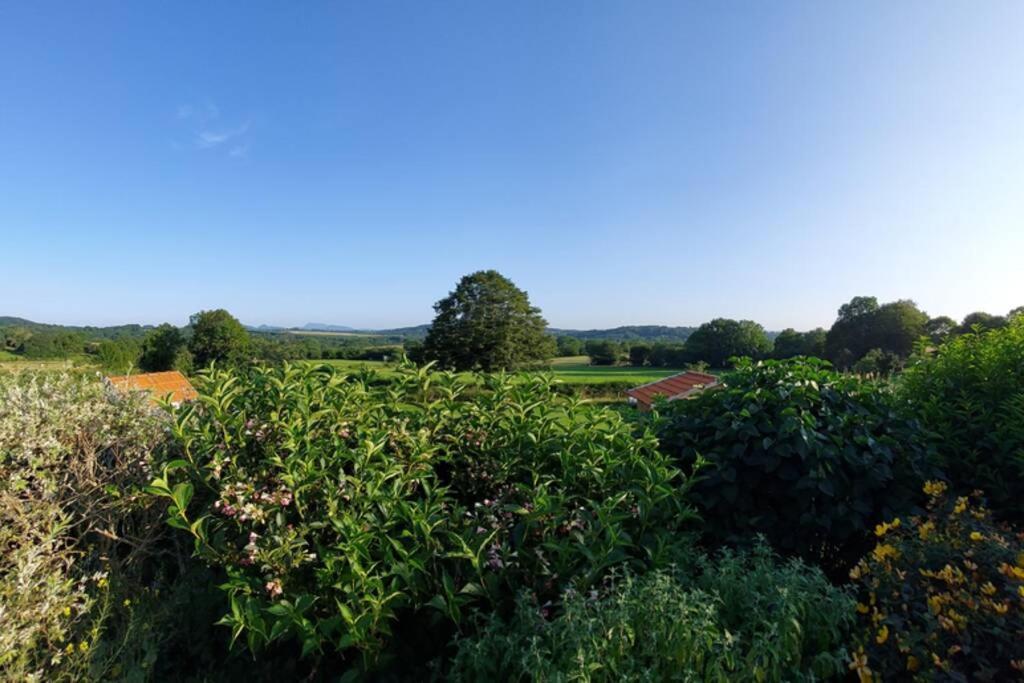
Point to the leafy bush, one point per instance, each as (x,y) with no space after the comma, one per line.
(971,392)
(733,618)
(809,458)
(942,596)
(345,512)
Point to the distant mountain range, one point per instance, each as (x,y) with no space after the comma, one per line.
(109,332)
(626,333)
(322,327)
(652,333)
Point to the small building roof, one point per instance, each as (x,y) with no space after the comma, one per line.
(158,384)
(672,388)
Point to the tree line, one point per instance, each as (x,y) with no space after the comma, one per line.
(168,347)
(487,323)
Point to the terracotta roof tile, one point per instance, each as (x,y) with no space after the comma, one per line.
(159,384)
(672,387)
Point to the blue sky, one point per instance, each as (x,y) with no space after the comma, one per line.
(624,162)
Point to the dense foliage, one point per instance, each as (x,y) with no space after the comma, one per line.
(345,512)
(942,596)
(808,457)
(429,524)
(789,343)
(717,341)
(487,323)
(165,349)
(604,352)
(731,618)
(217,336)
(863,325)
(971,392)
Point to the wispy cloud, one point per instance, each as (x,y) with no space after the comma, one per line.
(212,138)
(208,132)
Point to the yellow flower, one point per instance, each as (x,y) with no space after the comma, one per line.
(860,665)
(67,611)
(127,602)
(925,530)
(69,648)
(1020,591)
(976,536)
(987,588)
(961,505)
(1012,572)
(885,527)
(912,663)
(1000,607)
(83,646)
(935,488)
(884,551)
(863,609)
(883,635)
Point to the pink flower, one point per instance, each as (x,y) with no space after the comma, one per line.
(274,588)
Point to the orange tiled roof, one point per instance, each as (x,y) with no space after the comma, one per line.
(159,384)
(672,387)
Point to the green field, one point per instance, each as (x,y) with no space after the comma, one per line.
(11,363)
(571,370)
(577,370)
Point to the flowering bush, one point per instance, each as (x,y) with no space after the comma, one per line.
(942,595)
(810,458)
(73,461)
(342,510)
(731,618)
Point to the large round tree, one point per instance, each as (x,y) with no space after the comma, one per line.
(717,341)
(217,336)
(487,323)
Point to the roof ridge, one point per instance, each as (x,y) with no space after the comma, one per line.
(678,374)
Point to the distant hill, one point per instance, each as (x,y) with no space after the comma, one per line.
(650,333)
(626,333)
(111,332)
(414,332)
(324,327)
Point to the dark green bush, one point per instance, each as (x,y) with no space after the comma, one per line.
(732,618)
(810,458)
(971,392)
(359,518)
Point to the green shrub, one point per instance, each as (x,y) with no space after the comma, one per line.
(810,458)
(942,596)
(346,513)
(971,392)
(733,618)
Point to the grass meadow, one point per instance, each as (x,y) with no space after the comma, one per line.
(571,370)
